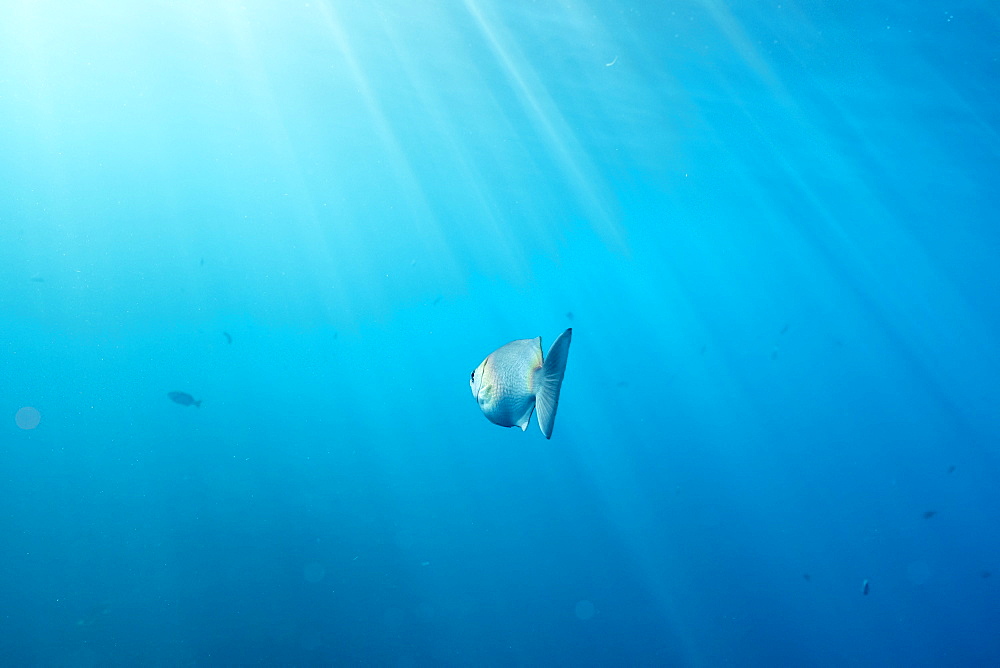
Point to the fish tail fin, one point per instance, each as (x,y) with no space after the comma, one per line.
(549,380)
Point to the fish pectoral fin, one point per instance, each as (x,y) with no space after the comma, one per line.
(548,381)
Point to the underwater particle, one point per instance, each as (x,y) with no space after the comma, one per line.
(951,469)
(514,380)
(929,514)
(313,572)
(864,588)
(584,610)
(612,62)
(229,339)
(569,315)
(704,347)
(784,329)
(985,574)
(918,572)
(27,417)
(405,539)
(393,618)
(425,563)
(37,278)
(311,640)
(807,577)
(425,612)
(184,399)
(774,353)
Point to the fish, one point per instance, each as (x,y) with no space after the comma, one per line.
(929,514)
(229,339)
(514,380)
(184,399)
(865,588)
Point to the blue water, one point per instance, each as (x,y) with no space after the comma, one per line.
(772,227)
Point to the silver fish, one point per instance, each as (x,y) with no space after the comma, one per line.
(514,380)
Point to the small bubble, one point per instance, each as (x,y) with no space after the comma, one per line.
(27,418)
(584,610)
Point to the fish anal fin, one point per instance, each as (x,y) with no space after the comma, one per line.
(525,419)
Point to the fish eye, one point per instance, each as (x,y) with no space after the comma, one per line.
(473,378)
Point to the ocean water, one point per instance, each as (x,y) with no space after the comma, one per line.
(771,225)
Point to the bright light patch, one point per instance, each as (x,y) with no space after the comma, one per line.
(27,418)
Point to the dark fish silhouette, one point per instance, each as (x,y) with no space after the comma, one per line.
(986,574)
(929,514)
(184,399)
(807,577)
(951,469)
(229,339)
(864,588)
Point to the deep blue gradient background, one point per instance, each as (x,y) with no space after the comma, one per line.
(772,226)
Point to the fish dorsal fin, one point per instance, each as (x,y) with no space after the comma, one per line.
(548,382)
